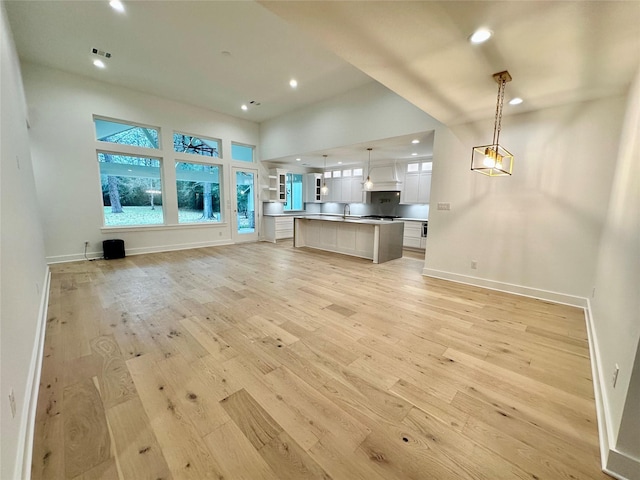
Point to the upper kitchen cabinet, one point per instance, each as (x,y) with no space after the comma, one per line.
(345,186)
(277,185)
(417,183)
(313,188)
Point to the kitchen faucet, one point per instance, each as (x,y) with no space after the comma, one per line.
(346,211)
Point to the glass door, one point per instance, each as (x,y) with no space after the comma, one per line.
(245,227)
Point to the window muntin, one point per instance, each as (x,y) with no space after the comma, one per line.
(207,147)
(126,133)
(242,153)
(199,196)
(131,190)
(294,199)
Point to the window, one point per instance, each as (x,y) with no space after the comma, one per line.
(413,167)
(337,174)
(294,192)
(327,174)
(357,172)
(427,166)
(198,188)
(126,134)
(242,153)
(208,147)
(131,190)
(346,173)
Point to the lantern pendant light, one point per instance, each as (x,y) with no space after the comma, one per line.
(324,190)
(494,160)
(368,184)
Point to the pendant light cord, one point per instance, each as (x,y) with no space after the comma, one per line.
(499,103)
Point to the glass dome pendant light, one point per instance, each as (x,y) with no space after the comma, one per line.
(324,190)
(368,184)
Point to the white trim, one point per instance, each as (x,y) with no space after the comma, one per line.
(28,420)
(555,297)
(139,251)
(604,421)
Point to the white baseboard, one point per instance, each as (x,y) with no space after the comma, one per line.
(138,251)
(508,288)
(27,422)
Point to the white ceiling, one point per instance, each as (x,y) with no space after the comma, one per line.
(556,51)
(174,49)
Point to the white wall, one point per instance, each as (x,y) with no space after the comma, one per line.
(536,232)
(61,107)
(23,276)
(366,113)
(616,305)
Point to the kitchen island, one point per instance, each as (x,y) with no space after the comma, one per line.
(377,240)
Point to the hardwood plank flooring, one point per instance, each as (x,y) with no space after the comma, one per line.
(261,361)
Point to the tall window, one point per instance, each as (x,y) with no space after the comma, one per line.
(242,153)
(131,190)
(294,192)
(131,184)
(198,192)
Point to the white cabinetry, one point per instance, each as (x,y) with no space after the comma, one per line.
(412,237)
(313,186)
(345,190)
(277,227)
(277,185)
(417,183)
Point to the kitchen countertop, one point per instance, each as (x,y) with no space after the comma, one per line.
(353,217)
(347,219)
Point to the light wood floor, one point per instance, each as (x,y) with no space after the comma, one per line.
(261,361)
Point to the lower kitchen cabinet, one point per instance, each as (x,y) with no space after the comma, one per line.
(278,227)
(412,237)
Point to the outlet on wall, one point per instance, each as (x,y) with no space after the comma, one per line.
(12,403)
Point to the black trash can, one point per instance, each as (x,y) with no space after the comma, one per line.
(113,249)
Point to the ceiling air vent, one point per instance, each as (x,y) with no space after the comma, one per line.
(101,53)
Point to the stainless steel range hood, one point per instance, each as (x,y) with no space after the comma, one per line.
(385,178)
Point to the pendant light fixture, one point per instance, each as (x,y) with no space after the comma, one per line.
(324,190)
(494,160)
(368,184)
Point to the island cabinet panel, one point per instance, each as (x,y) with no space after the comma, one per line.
(376,240)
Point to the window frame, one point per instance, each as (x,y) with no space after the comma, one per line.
(128,153)
(221,180)
(253,152)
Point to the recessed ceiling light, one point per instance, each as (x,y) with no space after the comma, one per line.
(99,63)
(515,101)
(414,154)
(298,159)
(481,35)
(415,141)
(117,5)
(339,163)
(293,83)
(244,107)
